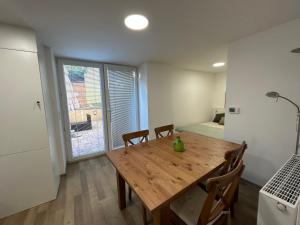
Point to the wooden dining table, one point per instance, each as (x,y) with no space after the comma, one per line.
(157,174)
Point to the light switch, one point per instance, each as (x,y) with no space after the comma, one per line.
(234,110)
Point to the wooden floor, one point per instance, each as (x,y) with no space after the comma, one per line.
(87,196)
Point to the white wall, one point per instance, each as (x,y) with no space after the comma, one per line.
(143,96)
(257,64)
(49,117)
(219,90)
(52,108)
(178,96)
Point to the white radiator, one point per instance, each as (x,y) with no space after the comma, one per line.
(279,198)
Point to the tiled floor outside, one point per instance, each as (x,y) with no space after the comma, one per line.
(88,141)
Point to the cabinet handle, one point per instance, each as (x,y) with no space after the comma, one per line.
(38,103)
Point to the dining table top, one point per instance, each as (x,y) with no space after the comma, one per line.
(157,173)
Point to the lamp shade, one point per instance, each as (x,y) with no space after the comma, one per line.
(296,50)
(272,94)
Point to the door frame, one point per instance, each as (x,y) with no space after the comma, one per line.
(64,109)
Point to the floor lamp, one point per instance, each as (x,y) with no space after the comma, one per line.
(276,95)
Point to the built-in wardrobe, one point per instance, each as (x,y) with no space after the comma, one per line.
(27,173)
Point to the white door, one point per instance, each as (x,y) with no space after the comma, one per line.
(23,125)
(25,171)
(83,101)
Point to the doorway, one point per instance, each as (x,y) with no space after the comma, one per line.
(100,103)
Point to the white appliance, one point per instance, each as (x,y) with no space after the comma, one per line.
(279,198)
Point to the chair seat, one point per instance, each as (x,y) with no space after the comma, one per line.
(191,208)
(188,207)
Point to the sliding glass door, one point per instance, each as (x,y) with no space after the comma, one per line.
(122,102)
(99,104)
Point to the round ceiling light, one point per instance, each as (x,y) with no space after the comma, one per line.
(218,64)
(136,22)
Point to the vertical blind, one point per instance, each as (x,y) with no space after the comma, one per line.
(122,91)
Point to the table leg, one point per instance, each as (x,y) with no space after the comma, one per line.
(121,191)
(161,216)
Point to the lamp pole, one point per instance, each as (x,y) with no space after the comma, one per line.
(298,133)
(297,51)
(298,119)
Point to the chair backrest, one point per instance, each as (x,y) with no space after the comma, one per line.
(142,135)
(232,158)
(159,130)
(240,155)
(222,188)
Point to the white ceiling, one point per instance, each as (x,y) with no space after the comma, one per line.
(189,33)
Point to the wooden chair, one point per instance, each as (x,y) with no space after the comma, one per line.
(160,130)
(128,139)
(196,207)
(235,157)
(232,159)
(142,135)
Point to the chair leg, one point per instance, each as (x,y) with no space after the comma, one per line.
(232,210)
(129,193)
(235,199)
(236,194)
(144,215)
(227,220)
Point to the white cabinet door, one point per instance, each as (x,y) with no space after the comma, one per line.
(22,121)
(26,181)
(17,38)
